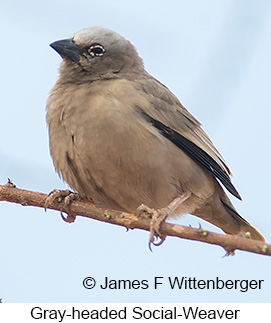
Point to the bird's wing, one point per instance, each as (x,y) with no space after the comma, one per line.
(167,114)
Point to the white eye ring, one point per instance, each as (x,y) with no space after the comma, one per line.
(96,50)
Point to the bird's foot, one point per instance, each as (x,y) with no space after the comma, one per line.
(65,196)
(159,216)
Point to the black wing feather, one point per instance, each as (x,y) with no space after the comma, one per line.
(195,152)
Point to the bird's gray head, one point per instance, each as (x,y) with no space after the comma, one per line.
(97,53)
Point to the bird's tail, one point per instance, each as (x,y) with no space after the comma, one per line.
(223,214)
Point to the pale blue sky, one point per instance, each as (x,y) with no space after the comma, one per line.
(215,56)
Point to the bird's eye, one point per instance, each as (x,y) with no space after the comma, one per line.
(96,50)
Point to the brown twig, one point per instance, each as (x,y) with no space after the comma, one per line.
(10,193)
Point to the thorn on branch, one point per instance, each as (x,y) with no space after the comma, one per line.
(10,184)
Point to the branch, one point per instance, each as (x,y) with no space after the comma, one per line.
(10,193)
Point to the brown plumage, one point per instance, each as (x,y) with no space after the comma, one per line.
(120,137)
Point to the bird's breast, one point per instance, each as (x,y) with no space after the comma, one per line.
(104,149)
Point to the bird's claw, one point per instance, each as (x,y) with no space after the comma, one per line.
(65,196)
(229,252)
(70,218)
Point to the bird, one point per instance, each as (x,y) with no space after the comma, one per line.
(121,138)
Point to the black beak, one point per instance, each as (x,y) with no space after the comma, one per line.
(66,48)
